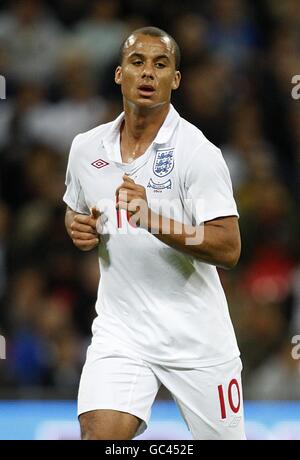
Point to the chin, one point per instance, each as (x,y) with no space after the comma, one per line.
(148,103)
(144,103)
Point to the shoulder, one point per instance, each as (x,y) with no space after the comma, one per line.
(92,136)
(194,145)
(190,134)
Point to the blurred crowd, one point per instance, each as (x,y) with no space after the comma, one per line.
(58,59)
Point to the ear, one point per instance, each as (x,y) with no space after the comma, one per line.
(176,81)
(118,75)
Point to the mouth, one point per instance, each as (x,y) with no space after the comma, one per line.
(146,90)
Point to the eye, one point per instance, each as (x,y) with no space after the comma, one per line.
(137,62)
(160,65)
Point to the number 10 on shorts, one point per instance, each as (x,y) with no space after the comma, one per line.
(226,397)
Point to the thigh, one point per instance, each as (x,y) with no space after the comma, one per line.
(209,399)
(116,392)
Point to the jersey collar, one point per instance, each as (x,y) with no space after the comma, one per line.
(162,137)
(168,127)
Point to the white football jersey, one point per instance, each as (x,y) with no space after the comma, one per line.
(153,301)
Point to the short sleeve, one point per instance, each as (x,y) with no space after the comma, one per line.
(208,185)
(74,194)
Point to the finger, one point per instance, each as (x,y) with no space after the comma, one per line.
(83,228)
(127,186)
(82,236)
(87,220)
(130,207)
(84,245)
(82,219)
(93,223)
(128,179)
(127,195)
(122,205)
(95,213)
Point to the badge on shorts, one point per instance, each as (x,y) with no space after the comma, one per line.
(163,162)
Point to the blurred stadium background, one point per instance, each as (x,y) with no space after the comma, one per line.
(58,58)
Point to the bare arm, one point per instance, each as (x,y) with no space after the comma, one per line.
(217,242)
(82,228)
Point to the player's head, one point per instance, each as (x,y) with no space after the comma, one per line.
(148,70)
(152,32)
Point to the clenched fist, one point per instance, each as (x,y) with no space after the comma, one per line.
(82,229)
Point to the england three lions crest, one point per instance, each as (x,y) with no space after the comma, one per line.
(163,162)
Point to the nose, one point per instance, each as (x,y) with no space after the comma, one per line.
(148,71)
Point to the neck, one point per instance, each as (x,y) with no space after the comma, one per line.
(142,125)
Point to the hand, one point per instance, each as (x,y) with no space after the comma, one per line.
(83,230)
(133,198)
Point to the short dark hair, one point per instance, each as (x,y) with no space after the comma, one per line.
(153,32)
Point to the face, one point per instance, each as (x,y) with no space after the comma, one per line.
(147,75)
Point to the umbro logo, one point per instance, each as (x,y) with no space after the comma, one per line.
(99,163)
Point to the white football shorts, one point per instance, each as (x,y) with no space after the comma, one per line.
(209,398)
